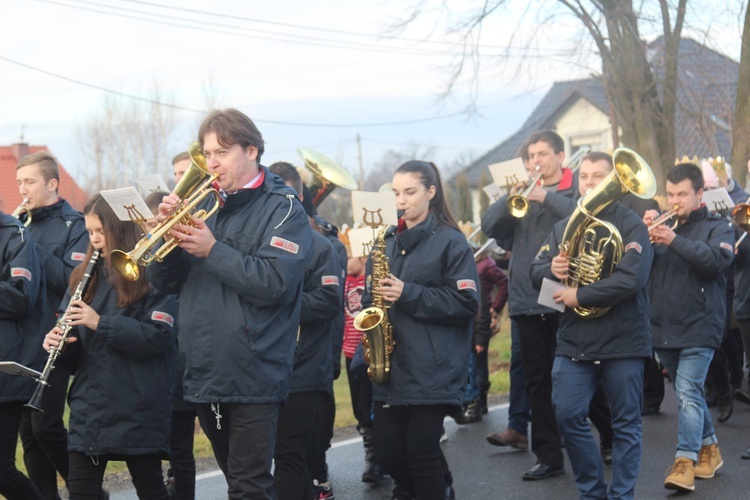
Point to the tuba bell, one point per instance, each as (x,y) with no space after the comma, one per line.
(593,255)
(327,175)
(194,187)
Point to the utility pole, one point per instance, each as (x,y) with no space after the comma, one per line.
(359,159)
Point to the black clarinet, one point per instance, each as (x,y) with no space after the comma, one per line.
(35,403)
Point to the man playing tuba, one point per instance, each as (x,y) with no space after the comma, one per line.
(608,349)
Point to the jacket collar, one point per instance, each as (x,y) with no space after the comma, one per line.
(48,211)
(698,214)
(410,238)
(270,183)
(567,180)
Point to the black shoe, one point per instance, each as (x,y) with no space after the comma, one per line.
(726,405)
(746,455)
(606,453)
(449,493)
(542,471)
(471,414)
(649,410)
(742,396)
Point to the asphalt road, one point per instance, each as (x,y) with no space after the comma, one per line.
(482,471)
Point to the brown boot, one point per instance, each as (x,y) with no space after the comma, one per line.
(509,437)
(680,476)
(709,461)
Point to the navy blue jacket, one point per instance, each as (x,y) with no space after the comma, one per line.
(240,306)
(24,316)
(121,396)
(687,284)
(432,320)
(61,238)
(623,331)
(525,236)
(322,312)
(741,266)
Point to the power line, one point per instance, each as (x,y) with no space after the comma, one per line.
(260,120)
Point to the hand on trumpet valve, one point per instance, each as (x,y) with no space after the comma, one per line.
(650,216)
(559,266)
(168,205)
(54,337)
(662,234)
(196,239)
(537,193)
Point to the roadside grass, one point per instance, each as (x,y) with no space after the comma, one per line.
(499,366)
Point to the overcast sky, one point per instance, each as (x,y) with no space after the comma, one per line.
(327,69)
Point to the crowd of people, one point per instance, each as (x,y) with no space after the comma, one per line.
(244,324)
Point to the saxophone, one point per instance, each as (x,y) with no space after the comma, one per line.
(377,337)
(593,255)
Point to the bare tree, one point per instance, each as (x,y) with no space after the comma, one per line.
(741,129)
(126,141)
(464,206)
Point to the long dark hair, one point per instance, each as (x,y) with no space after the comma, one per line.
(430,176)
(119,234)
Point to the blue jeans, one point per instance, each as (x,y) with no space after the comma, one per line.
(471,391)
(519,409)
(573,386)
(688,368)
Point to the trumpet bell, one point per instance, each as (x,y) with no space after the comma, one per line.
(518,206)
(327,175)
(125,264)
(741,216)
(195,175)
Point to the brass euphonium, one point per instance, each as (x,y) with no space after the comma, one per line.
(192,189)
(593,255)
(327,175)
(377,331)
(20,210)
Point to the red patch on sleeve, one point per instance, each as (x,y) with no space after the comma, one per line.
(331,280)
(635,246)
(283,244)
(163,317)
(77,256)
(466,284)
(727,246)
(15,272)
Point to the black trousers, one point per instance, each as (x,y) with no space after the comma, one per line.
(538,342)
(320,439)
(361,393)
(182,460)
(297,423)
(243,443)
(407,446)
(87,475)
(13,484)
(45,438)
(653,383)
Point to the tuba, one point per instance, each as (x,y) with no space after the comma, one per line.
(594,246)
(327,175)
(377,331)
(194,187)
(20,210)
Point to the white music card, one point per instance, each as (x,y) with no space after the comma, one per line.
(127,204)
(717,200)
(360,240)
(151,184)
(550,288)
(509,173)
(493,192)
(374,209)
(13,368)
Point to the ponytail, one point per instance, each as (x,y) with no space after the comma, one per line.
(431,177)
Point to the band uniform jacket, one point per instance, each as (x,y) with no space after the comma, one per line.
(525,236)
(742,278)
(623,331)
(61,240)
(240,306)
(432,320)
(24,316)
(687,283)
(320,320)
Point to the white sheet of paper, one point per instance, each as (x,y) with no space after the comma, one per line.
(151,184)
(509,173)
(493,192)
(374,208)
(13,368)
(360,240)
(122,198)
(549,288)
(717,199)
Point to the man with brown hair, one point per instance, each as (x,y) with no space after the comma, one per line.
(61,242)
(239,275)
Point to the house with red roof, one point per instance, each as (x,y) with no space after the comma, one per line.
(9,197)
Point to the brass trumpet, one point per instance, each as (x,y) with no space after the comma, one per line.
(664,218)
(20,210)
(192,189)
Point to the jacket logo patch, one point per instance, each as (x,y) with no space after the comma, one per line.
(330,280)
(78,256)
(635,246)
(284,245)
(15,272)
(163,317)
(466,285)
(727,246)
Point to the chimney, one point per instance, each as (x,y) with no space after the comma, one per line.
(19,150)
